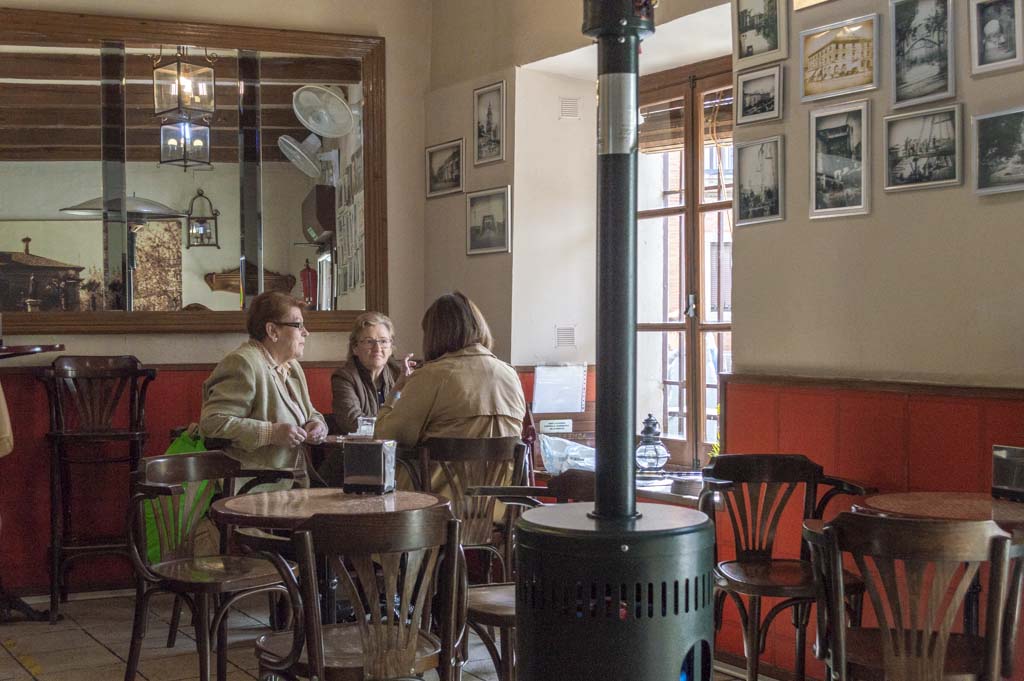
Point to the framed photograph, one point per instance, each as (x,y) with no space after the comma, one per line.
(759,94)
(489,221)
(760,33)
(804,4)
(997,33)
(923,149)
(489,123)
(444,168)
(839,58)
(921,51)
(760,167)
(999,151)
(840,159)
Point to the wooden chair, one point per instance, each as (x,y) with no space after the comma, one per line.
(917,572)
(176,488)
(398,561)
(490,606)
(754,490)
(94,402)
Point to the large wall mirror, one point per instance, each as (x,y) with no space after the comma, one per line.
(155,176)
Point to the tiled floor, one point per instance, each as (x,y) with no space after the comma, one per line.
(91,644)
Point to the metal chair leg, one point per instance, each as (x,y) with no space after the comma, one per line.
(139,623)
(202,629)
(752,638)
(222,646)
(172,633)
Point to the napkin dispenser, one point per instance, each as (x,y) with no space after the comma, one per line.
(1008,472)
(369,466)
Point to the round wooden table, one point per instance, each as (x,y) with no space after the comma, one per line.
(286,510)
(8,351)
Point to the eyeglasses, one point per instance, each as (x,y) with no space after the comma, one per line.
(294,325)
(382,343)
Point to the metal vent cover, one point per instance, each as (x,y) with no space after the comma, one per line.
(565,336)
(569,108)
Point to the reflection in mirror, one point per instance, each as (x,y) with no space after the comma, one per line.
(304,213)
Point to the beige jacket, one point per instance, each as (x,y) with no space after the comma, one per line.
(243,396)
(467,393)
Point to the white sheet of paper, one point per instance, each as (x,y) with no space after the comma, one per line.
(560,389)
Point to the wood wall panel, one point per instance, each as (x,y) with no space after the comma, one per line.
(872,439)
(941,435)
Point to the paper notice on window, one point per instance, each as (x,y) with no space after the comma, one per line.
(560,389)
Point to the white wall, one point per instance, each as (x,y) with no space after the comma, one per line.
(554,241)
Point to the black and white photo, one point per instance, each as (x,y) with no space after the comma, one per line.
(444,168)
(759,32)
(923,149)
(760,168)
(759,95)
(840,159)
(921,42)
(997,32)
(489,221)
(489,124)
(999,151)
(839,58)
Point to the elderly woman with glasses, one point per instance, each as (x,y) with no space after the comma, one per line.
(257,396)
(361,386)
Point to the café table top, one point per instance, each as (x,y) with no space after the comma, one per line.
(287,509)
(8,351)
(1009,515)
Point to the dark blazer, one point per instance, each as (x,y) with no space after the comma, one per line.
(354,395)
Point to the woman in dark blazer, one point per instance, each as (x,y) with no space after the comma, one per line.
(360,387)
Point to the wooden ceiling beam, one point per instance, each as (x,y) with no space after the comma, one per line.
(139,96)
(136,118)
(134,154)
(136,137)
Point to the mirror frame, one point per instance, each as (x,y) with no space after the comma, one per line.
(32,27)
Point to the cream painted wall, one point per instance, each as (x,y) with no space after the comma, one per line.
(925,288)
(406,26)
(554,246)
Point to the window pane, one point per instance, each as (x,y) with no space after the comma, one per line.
(660,269)
(717,156)
(661,371)
(660,163)
(716,279)
(717,358)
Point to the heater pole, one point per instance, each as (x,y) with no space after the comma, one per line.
(617,26)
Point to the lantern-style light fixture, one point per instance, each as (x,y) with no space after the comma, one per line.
(185,144)
(202,221)
(183,90)
(651,455)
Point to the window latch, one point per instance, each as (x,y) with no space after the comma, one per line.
(691,306)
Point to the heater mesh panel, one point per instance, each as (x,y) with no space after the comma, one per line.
(576,599)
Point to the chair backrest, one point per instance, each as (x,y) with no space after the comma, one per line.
(917,572)
(395,565)
(473,462)
(755,489)
(86,392)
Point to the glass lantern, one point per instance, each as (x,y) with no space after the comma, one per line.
(185,144)
(182,90)
(651,455)
(202,222)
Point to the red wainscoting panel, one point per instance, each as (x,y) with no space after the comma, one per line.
(942,433)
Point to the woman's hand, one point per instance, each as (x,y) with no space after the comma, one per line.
(409,368)
(287,435)
(316,431)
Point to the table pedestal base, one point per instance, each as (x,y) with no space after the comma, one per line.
(10,604)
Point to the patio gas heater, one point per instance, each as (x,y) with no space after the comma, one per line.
(610,589)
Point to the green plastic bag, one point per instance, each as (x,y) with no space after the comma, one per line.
(190,507)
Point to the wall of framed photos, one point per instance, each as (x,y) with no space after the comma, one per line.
(895,250)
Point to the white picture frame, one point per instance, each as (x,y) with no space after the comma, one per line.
(489,124)
(489,221)
(760,173)
(840,160)
(804,4)
(990,42)
(444,168)
(924,70)
(759,95)
(1005,128)
(752,44)
(820,65)
(923,149)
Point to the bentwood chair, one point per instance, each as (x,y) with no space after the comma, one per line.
(175,490)
(390,566)
(917,572)
(97,406)
(755,490)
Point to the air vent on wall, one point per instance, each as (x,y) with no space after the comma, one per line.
(569,107)
(565,336)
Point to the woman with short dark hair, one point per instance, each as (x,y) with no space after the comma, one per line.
(462,390)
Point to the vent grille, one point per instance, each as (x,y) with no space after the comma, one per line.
(637,600)
(569,107)
(565,336)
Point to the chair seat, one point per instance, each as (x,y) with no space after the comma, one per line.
(784,578)
(492,604)
(965,655)
(216,574)
(343,652)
